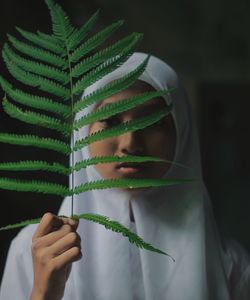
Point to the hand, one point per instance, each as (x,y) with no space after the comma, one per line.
(55,245)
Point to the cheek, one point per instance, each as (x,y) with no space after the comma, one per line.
(103,148)
(106,147)
(162,143)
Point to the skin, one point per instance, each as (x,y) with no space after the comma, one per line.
(56,244)
(156,140)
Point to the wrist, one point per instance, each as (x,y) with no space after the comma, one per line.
(36,295)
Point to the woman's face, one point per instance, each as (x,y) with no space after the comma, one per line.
(157,140)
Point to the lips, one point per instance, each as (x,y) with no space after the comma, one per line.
(129,165)
(129,168)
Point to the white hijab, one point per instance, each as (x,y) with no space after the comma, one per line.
(176,219)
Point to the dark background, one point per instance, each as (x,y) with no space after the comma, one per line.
(208,44)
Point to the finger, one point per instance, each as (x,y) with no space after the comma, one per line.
(72,239)
(52,237)
(67,257)
(70,221)
(51,222)
(47,224)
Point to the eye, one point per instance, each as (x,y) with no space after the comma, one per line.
(109,122)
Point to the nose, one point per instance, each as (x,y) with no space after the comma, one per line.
(130,143)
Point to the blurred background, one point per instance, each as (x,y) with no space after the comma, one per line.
(208,44)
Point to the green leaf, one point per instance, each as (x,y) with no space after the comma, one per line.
(103,55)
(36,81)
(118,159)
(35,118)
(128,158)
(35,166)
(46,63)
(62,28)
(34,101)
(117,227)
(109,89)
(35,67)
(95,41)
(61,169)
(52,40)
(52,46)
(35,141)
(120,129)
(126,183)
(79,35)
(33,186)
(21,224)
(37,53)
(107,67)
(107,223)
(116,108)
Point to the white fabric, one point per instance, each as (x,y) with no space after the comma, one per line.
(175,219)
(136,270)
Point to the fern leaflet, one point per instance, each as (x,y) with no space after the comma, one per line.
(35,141)
(34,101)
(35,166)
(140,123)
(116,107)
(52,46)
(35,118)
(95,41)
(78,35)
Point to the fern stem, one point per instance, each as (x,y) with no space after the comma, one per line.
(72,122)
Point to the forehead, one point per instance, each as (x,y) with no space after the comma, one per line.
(138,88)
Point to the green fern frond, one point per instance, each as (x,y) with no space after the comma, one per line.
(126,183)
(38,53)
(100,71)
(107,223)
(33,80)
(116,108)
(33,186)
(124,159)
(40,41)
(35,141)
(53,88)
(35,67)
(35,118)
(103,55)
(34,101)
(29,165)
(79,35)
(54,64)
(51,39)
(108,66)
(120,129)
(62,28)
(119,159)
(117,227)
(109,89)
(21,224)
(95,41)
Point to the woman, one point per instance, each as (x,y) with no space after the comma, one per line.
(176,219)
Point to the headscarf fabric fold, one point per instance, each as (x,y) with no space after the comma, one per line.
(176,219)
